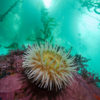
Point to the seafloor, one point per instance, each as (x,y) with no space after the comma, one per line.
(14,85)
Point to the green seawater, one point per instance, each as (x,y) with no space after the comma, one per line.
(67,23)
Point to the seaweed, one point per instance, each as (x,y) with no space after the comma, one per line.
(81,61)
(89,4)
(83,71)
(49,24)
(11,63)
(13,45)
(45,33)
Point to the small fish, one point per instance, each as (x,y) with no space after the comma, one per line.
(97,97)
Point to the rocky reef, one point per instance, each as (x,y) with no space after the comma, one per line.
(14,85)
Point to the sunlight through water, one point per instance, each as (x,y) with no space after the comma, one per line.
(47,3)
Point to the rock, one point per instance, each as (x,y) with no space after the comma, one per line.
(10,83)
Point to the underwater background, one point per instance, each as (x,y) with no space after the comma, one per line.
(68,23)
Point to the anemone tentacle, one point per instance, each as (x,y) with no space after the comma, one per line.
(49,66)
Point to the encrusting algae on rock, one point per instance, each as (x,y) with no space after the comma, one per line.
(45,72)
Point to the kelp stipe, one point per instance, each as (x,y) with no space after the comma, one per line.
(2,16)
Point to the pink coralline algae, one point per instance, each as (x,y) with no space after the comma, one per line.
(14,84)
(79,90)
(8,86)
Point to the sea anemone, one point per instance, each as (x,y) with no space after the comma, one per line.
(49,66)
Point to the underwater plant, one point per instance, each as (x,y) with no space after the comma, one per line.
(49,23)
(84,72)
(49,66)
(89,4)
(13,45)
(45,34)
